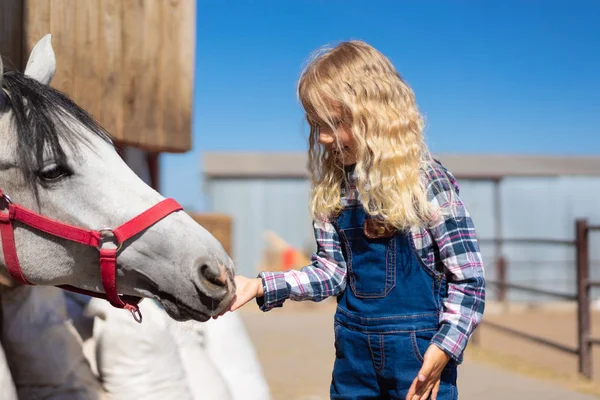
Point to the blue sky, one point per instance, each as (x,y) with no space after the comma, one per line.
(489,76)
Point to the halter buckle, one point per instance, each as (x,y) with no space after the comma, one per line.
(5,197)
(5,202)
(107,235)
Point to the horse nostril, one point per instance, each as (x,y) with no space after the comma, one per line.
(213,282)
(214,274)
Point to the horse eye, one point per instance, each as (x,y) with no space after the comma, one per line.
(53,172)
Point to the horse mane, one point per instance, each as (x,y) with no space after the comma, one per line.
(43,116)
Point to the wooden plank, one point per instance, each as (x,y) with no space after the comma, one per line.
(186,70)
(170,88)
(132,45)
(109,50)
(150,102)
(11,37)
(129,63)
(36,25)
(62,25)
(86,79)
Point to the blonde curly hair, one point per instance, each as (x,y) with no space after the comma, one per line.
(380,111)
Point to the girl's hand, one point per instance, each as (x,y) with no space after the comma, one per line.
(427,383)
(246,290)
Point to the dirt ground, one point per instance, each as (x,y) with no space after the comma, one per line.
(295,344)
(295,347)
(559,325)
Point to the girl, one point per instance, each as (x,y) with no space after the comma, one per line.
(395,243)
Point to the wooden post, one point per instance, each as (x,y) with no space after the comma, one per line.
(476,337)
(11,34)
(583,299)
(153,160)
(501,272)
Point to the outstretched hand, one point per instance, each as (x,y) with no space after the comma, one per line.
(246,290)
(427,383)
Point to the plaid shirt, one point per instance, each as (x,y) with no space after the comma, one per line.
(456,253)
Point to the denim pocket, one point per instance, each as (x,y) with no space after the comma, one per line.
(371,263)
(336,327)
(417,347)
(336,339)
(420,341)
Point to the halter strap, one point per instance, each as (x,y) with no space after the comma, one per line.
(108,256)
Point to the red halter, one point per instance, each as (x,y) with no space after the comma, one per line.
(108,257)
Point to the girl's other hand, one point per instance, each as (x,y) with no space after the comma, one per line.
(427,383)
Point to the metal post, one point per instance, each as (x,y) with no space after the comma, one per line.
(583,299)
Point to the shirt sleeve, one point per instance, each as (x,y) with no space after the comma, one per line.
(324,277)
(458,252)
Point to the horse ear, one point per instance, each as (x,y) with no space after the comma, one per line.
(41,65)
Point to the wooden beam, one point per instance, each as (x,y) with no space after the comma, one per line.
(11,34)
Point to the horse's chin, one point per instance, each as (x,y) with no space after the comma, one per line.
(180,312)
(198,307)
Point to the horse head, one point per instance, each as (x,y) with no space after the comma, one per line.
(59,168)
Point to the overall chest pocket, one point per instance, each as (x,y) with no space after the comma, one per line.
(371,263)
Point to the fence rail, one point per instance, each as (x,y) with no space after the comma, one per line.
(533,338)
(530,241)
(582,296)
(503,286)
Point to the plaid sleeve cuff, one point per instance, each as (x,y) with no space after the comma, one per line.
(276,290)
(451,341)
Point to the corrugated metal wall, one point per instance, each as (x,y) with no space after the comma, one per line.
(480,201)
(538,208)
(547,208)
(260,205)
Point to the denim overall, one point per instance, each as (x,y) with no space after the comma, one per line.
(387,315)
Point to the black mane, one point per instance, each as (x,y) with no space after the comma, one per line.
(40,116)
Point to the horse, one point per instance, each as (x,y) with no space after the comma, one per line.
(74,215)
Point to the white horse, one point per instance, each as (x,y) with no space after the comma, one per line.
(62,183)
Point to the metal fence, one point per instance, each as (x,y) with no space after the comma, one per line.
(585,341)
